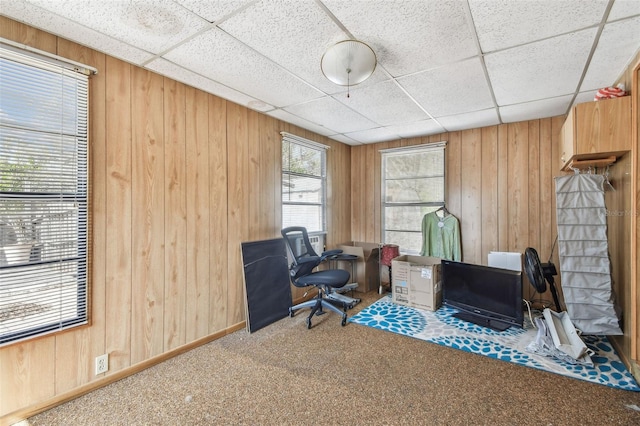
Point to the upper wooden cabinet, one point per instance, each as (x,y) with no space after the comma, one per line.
(596,130)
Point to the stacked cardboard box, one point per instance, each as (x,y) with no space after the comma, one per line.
(416,282)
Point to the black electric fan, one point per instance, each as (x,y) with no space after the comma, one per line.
(541,273)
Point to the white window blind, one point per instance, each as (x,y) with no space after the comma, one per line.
(413,184)
(43,194)
(303,183)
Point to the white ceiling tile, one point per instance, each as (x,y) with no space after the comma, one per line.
(451,89)
(169,69)
(409,36)
(583,97)
(329,113)
(547,68)
(220,57)
(618,43)
(301,122)
(385,104)
(417,128)
(379,134)
(61,26)
(624,9)
(506,23)
(266,54)
(535,109)
(293,34)
(345,139)
(149,25)
(471,120)
(213,10)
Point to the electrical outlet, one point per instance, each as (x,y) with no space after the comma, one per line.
(102,364)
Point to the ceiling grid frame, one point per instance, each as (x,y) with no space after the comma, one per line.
(450,64)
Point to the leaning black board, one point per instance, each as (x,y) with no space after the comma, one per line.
(266,281)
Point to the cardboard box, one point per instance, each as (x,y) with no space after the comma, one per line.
(416,282)
(366,268)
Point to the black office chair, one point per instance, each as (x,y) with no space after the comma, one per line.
(302,274)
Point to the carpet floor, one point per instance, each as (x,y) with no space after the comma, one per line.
(511,345)
(285,374)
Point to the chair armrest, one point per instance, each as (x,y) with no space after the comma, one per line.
(303,266)
(308,259)
(329,253)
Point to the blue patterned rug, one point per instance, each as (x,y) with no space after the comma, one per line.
(443,329)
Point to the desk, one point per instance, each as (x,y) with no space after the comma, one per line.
(334,262)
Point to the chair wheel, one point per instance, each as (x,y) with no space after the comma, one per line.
(308,321)
(291,313)
(344,320)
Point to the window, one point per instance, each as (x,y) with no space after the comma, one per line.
(303,183)
(412,186)
(43,194)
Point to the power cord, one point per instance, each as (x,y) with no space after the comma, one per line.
(545,303)
(526,302)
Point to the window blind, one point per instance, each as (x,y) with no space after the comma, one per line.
(43,195)
(303,183)
(413,184)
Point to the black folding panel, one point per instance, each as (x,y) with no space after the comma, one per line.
(266,280)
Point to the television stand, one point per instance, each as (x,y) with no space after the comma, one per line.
(482,321)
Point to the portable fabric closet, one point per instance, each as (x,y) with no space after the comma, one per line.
(585,267)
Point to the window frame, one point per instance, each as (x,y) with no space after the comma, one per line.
(322,150)
(431,205)
(68,210)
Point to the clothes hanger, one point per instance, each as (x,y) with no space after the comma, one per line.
(444,211)
(607,182)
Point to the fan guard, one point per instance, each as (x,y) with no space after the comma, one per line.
(541,273)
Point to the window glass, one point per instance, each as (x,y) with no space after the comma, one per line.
(43,196)
(303,183)
(413,182)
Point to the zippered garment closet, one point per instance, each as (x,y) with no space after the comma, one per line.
(585,268)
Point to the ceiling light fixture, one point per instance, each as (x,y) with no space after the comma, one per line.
(348,63)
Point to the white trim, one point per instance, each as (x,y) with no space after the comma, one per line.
(303,141)
(435,145)
(59,61)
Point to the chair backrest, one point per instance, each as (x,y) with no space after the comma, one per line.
(291,235)
(307,259)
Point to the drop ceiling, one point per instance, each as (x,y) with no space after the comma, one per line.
(442,65)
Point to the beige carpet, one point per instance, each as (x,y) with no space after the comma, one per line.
(285,374)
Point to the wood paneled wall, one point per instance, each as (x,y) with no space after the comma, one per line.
(499,183)
(631,79)
(635,220)
(179,178)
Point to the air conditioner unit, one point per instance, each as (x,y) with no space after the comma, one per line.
(317,242)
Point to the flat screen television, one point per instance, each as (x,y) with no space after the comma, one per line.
(484,295)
